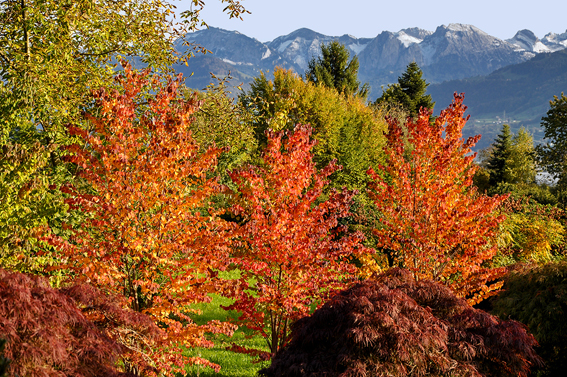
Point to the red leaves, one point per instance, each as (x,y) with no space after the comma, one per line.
(434,221)
(292,252)
(395,326)
(49,335)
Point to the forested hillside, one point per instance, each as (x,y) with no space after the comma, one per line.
(517,94)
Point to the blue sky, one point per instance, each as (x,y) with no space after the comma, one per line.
(366,18)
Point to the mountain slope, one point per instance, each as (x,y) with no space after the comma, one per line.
(519,93)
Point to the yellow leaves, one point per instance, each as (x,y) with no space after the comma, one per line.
(530,237)
(370,266)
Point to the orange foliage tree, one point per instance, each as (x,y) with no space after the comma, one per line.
(292,252)
(433,221)
(150,234)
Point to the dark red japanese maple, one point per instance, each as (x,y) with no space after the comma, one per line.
(66,332)
(393,325)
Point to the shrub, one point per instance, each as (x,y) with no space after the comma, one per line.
(395,326)
(63,332)
(537,296)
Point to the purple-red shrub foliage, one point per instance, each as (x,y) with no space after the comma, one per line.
(392,325)
(63,332)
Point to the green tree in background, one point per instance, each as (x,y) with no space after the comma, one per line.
(522,167)
(500,158)
(346,129)
(553,155)
(334,70)
(409,91)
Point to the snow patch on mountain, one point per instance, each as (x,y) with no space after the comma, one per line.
(266,54)
(284,45)
(357,48)
(406,39)
(235,63)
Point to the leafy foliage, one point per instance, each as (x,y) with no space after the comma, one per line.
(531,231)
(148,235)
(537,296)
(553,154)
(52,55)
(409,92)
(71,331)
(395,326)
(224,123)
(345,128)
(334,70)
(433,221)
(26,202)
(292,253)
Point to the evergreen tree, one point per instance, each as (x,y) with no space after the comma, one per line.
(500,157)
(334,70)
(409,92)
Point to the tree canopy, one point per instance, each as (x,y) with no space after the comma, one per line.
(408,92)
(334,70)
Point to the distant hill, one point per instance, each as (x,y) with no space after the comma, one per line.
(517,94)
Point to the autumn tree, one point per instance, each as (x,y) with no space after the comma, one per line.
(292,252)
(68,331)
(52,55)
(150,235)
(393,325)
(333,69)
(408,92)
(434,223)
(531,232)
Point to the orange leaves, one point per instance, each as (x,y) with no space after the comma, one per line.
(292,250)
(433,221)
(150,233)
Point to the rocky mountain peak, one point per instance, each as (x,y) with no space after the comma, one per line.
(526,40)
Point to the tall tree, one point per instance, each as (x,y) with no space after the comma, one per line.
(433,221)
(150,234)
(346,129)
(292,253)
(409,92)
(553,155)
(52,55)
(500,158)
(334,70)
(522,169)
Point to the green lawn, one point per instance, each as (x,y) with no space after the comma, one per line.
(232,364)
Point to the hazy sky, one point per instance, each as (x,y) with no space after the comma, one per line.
(367,18)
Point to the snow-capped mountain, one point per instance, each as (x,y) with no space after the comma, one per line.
(525,40)
(450,52)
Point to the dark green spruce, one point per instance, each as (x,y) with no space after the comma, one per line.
(335,69)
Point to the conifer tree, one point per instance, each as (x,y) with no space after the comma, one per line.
(500,158)
(334,70)
(409,92)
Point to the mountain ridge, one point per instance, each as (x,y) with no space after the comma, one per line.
(453,51)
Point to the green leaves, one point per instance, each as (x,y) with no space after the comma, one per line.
(334,70)
(409,92)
